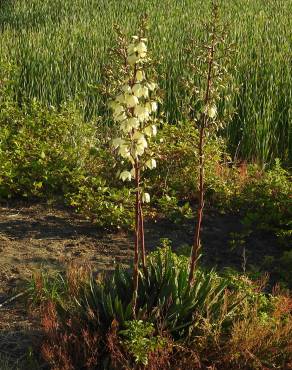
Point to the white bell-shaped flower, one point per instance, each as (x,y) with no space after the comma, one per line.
(142,112)
(211,111)
(127,89)
(140,143)
(146,198)
(151,163)
(140,91)
(129,124)
(120,98)
(124,151)
(150,130)
(133,59)
(131,100)
(154,106)
(133,122)
(126,175)
(140,76)
(151,86)
(118,142)
(141,48)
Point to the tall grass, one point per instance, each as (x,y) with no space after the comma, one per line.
(61,46)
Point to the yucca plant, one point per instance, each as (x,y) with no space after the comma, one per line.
(164,297)
(168,299)
(134,110)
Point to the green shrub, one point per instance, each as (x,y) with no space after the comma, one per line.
(140,341)
(106,206)
(42,150)
(266,199)
(177,154)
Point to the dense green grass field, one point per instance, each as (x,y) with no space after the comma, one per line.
(61,45)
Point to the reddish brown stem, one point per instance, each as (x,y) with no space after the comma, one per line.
(142,239)
(197,236)
(137,238)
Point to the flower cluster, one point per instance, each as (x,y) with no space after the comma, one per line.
(133,110)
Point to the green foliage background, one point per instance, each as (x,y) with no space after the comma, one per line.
(60,47)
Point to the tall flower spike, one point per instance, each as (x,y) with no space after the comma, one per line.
(133,109)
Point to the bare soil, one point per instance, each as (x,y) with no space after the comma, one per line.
(35,236)
(40,236)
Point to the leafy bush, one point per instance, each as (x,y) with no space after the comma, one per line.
(171,209)
(265,203)
(41,149)
(45,152)
(266,199)
(139,339)
(176,174)
(106,206)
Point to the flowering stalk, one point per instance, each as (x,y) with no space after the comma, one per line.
(214,60)
(133,109)
(202,125)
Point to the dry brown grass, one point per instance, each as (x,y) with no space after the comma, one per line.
(68,345)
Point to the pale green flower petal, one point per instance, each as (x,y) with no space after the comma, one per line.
(140,91)
(126,175)
(148,130)
(133,122)
(140,76)
(212,111)
(118,142)
(137,90)
(120,98)
(120,117)
(124,151)
(146,198)
(151,163)
(131,100)
(142,112)
(151,86)
(141,48)
(140,145)
(139,150)
(154,106)
(124,127)
(145,92)
(138,136)
(126,89)
(118,109)
(143,142)
(133,59)
(129,124)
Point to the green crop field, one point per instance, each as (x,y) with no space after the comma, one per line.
(61,45)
